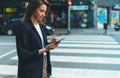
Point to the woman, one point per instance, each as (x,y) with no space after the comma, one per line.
(31,42)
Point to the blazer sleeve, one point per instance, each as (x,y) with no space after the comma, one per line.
(22,44)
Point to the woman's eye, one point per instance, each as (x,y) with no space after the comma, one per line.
(41,10)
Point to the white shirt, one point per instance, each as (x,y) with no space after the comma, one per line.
(41,36)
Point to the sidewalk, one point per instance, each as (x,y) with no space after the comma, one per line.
(88,31)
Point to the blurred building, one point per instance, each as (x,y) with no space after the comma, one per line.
(110,9)
(97,12)
(83,14)
(10,9)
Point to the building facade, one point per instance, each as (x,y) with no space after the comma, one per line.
(106,11)
(15,9)
(98,12)
(83,14)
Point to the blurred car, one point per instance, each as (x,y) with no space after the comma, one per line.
(117,26)
(49,29)
(10,25)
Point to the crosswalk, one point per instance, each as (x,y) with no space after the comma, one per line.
(81,57)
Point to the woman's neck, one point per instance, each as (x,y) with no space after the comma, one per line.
(34,21)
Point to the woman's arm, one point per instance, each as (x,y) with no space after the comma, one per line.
(22,44)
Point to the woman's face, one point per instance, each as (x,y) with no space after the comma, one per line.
(40,12)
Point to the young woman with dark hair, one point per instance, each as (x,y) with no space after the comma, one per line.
(31,42)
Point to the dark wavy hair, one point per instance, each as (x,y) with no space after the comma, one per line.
(32,6)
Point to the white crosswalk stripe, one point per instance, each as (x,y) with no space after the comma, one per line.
(81,57)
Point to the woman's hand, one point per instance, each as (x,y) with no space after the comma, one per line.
(53,44)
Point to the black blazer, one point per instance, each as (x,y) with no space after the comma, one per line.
(28,42)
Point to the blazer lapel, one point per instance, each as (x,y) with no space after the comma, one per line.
(41,28)
(33,28)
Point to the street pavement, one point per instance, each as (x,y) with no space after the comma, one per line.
(83,54)
(88,31)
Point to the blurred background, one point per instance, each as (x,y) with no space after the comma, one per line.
(63,13)
(91,28)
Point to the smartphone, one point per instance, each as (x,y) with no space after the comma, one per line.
(59,40)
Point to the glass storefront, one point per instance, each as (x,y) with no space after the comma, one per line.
(79,19)
(101,17)
(10,13)
(115,14)
(7,14)
(1,16)
(79,16)
(57,16)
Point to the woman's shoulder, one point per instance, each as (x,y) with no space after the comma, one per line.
(22,25)
(21,28)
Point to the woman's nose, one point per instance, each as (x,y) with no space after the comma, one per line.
(43,14)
